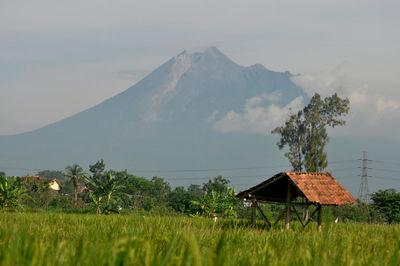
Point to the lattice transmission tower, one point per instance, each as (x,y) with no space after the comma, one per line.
(363,192)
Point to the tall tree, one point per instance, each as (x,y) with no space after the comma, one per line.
(98,169)
(74,174)
(306,135)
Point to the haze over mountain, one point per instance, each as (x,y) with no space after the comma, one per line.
(199,110)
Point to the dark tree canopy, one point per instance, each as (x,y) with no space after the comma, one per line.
(388,203)
(217,184)
(305,132)
(51,174)
(98,169)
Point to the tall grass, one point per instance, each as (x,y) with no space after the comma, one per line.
(82,239)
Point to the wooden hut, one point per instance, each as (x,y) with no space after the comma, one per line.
(297,189)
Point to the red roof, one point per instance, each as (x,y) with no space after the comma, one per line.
(320,188)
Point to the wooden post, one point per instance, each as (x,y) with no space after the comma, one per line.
(306,211)
(288,201)
(319,218)
(267,223)
(253,214)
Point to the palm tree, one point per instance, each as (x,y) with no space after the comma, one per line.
(74,174)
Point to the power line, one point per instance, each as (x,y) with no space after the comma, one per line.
(343,161)
(389,178)
(393,163)
(341,169)
(184,170)
(205,170)
(22,168)
(386,170)
(229,177)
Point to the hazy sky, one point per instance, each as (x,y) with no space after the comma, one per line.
(60,57)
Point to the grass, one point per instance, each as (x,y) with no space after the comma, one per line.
(83,239)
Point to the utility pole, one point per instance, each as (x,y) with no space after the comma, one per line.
(363,192)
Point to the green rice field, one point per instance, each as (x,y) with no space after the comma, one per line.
(82,239)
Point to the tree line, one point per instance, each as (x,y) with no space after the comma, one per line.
(104,191)
(108,191)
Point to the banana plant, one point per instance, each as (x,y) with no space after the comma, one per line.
(11,193)
(105,192)
(219,203)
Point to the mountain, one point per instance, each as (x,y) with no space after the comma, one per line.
(199,110)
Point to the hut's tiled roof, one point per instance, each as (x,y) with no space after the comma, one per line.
(320,188)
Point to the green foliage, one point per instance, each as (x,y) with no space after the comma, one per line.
(70,239)
(182,201)
(306,135)
(3,174)
(217,184)
(39,192)
(105,191)
(98,169)
(59,175)
(215,198)
(221,203)
(388,203)
(11,194)
(75,174)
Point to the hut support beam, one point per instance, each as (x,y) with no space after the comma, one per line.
(298,216)
(312,215)
(253,214)
(319,217)
(267,223)
(279,217)
(288,201)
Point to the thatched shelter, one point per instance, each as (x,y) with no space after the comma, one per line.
(298,189)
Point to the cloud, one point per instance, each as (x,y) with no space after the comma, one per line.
(372,111)
(325,83)
(259,116)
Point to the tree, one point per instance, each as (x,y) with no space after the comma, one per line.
(221,203)
(388,203)
(75,173)
(306,135)
(98,169)
(105,192)
(217,184)
(51,174)
(11,193)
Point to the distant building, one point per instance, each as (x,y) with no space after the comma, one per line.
(52,182)
(54,185)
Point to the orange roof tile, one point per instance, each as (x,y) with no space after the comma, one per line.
(320,188)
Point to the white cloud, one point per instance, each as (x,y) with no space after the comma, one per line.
(386,105)
(372,112)
(259,116)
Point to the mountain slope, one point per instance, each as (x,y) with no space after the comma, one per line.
(166,120)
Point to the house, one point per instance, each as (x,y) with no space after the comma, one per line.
(52,182)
